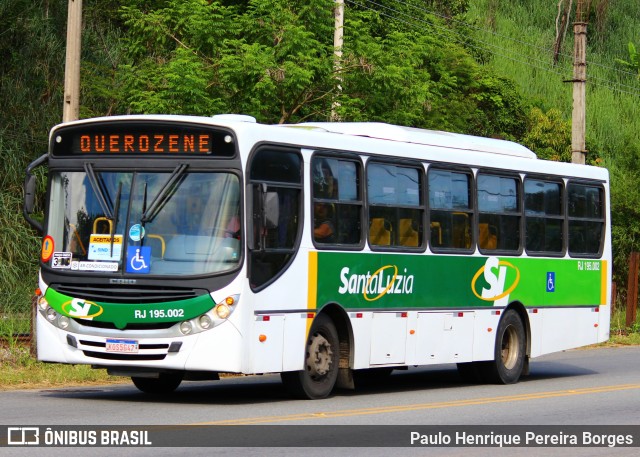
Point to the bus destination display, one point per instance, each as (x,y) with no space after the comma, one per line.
(137,139)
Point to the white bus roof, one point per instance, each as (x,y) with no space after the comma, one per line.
(398,133)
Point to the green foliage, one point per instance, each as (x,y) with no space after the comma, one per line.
(18,244)
(463,66)
(274,60)
(633,64)
(548,135)
(266,58)
(521,36)
(31,82)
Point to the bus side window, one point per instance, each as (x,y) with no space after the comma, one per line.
(499,214)
(450,209)
(544,218)
(586,220)
(396,210)
(337,201)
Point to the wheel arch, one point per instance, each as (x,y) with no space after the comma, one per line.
(345,332)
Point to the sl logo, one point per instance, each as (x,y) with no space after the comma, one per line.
(82,309)
(495,274)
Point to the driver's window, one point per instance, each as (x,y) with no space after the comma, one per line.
(275,189)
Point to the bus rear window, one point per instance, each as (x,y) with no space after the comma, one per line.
(586,219)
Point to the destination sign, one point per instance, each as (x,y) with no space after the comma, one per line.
(142,138)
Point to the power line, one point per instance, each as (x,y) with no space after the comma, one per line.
(460,41)
(464,40)
(506,37)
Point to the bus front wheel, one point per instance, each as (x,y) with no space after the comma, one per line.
(165,383)
(321,363)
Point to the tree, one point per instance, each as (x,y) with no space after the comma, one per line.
(273,59)
(31,82)
(548,135)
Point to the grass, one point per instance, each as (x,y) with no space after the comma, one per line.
(620,333)
(20,370)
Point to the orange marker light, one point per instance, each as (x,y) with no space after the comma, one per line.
(262,338)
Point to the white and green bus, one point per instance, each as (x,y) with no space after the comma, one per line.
(177,248)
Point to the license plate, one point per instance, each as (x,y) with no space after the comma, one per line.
(125,346)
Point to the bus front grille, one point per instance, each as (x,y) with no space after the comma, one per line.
(129,357)
(128,294)
(146,351)
(138,326)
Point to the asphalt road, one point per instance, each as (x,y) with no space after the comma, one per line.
(592,388)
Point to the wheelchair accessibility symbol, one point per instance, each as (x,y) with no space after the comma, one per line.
(138,259)
(551,281)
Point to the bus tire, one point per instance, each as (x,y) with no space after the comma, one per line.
(322,352)
(165,383)
(509,355)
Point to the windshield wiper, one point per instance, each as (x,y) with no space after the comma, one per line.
(115,219)
(165,194)
(97,189)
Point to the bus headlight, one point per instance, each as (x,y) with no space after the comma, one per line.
(51,314)
(223,311)
(225,307)
(186,327)
(63,322)
(205,321)
(42,304)
(209,320)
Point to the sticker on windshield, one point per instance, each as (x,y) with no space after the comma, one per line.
(105,247)
(95,266)
(61,260)
(136,232)
(138,259)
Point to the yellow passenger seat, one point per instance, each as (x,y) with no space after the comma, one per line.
(379,232)
(408,236)
(487,238)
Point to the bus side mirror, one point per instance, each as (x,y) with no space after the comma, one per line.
(30,186)
(29,193)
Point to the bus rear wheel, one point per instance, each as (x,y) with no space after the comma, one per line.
(321,364)
(165,383)
(509,355)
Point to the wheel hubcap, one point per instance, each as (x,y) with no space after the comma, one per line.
(319,357)
(509,353)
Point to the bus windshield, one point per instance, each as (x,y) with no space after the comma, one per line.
(144,223)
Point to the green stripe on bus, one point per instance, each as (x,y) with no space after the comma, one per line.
(122,314)
(378,280)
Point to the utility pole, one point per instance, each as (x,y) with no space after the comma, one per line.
(337,55)
(71,108)
(578,125)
